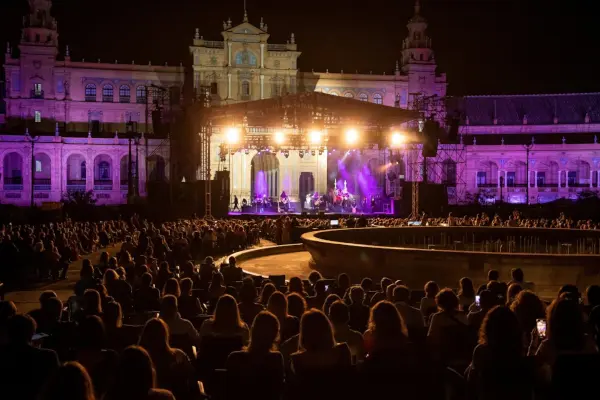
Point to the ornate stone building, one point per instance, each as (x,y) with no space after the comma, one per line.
(80,116)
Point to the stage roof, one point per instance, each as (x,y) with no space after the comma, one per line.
(299,108)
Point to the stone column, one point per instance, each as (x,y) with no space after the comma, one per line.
(262,55)
(505,178)
(89,172)
(262,86)
(498,178)
(229,85)
(567,178)
(535,183)
(591,178)
(559,175)
(229,53)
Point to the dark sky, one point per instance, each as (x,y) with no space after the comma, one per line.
(484,46)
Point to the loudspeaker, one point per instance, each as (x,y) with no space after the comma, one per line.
(433,199)
(430,138)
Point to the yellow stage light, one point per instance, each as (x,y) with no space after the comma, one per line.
(351,136)
(233,135)
(315,137)
(397,139)
(279,137)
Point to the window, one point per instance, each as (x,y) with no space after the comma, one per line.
(572,178)
(510,179)
(481,178)
(277,88)
(38,166)
(83,170)
(107,93)
(60,86)
(95,126)
(140,94)
(363,97)
(37,90)
(124,94)
(245,90)
(349,95)
(245,58)
(541,178)
(37,116)
(377,98)
(214,88)
(104,170)
(90,92)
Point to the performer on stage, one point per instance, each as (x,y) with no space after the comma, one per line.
(235,203)
(284,200)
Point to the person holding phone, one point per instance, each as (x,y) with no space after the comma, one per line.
(564,333)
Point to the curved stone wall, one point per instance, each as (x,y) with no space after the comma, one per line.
(446,254)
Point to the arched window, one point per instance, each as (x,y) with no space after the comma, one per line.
(377,98)
(107,93)
(140,94)
(90,92)
(245,58)
(245,90)
(82,170)
(349,95)
(363,97)
(104,170)
(124,94)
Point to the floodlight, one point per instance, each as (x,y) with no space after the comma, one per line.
(351,136)
(233,135)
(315,137)
(279,137)
(397,139)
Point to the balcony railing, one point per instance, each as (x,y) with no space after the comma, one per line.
(277,47)
(548,185)
(103,185)
(487,185)
(214,44)
(124,99)
(91,99)
(16,180)
(42,185)
(124,184)
(37,94)
(76,184)
(108,99)
(140,100)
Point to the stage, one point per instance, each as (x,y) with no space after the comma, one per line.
(330,215)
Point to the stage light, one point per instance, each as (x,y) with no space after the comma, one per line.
(279,137)
(315,137)
(246,151)
(312,153)
(321,150)
(351,136)
(301,153)
(233,135)
(286,153)
(397,139)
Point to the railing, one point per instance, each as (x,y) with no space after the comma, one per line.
(91,99)
(76,184)
(103,184)
(277,47)
(548,185)
(125,184)
(214,44)
(140,100)
(108,99)
(487,185)
(124,99)
(42,185)
(17,180)
(37,95)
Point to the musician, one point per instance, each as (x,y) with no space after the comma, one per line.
(284,200)
(236,203)
(244,202)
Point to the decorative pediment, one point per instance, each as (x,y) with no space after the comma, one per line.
(246,28)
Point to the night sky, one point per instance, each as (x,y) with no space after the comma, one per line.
(484,46)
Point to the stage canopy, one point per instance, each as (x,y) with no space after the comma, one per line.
(302,110)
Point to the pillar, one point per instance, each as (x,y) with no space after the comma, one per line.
(505,178)
(262,86)
(229,85)
(89,172)
(559,175)
(535,183)
(567,178)
(591,177)
(262,55)
(229,53)
(498,178)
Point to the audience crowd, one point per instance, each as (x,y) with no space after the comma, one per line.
(155,322)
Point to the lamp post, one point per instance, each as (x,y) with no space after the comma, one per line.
(527,148)
(32,140)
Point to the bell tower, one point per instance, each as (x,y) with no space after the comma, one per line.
(418,60)
(39,29)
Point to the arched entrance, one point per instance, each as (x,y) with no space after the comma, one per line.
(264,175)
(13,171)
(43,172)
(76,172)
